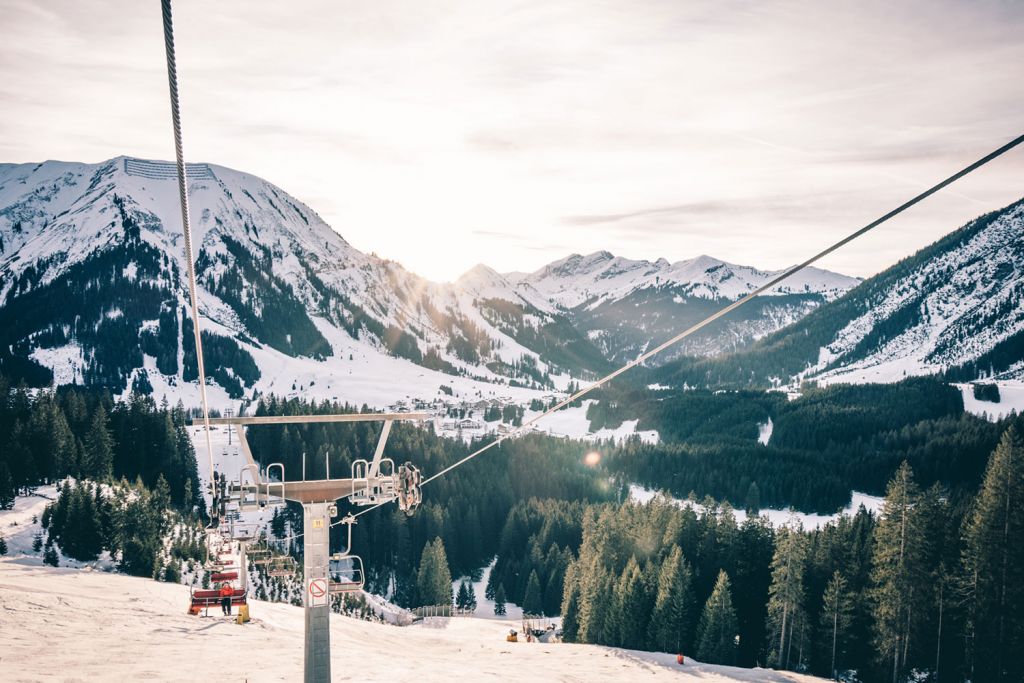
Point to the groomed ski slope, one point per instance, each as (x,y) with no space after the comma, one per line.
(80,625)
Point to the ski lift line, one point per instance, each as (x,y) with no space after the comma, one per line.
(172,82)
(313,419)
(713,317)
(724,311)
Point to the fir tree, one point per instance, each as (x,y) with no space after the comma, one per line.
(7,490)
(532,603)
(37,542)
(630,611)
(499,600)
(716,634)
(836,614)
(673,604)
(896,570)
(994,565)
(434,580)
(786,593)
(3,545)
(462,597)
(571,606)
(50,557)
(98,451)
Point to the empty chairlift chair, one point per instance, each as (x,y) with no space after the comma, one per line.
(345,570)
(259,554)
(346,573)
(281,566)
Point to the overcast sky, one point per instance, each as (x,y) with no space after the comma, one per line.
(443,134)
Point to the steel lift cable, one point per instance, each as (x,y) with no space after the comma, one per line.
(172,79)
(725,311)
(711,318)
(172,82)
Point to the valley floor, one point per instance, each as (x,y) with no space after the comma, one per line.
(59,624)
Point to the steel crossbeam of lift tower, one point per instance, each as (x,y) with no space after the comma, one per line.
(371,483)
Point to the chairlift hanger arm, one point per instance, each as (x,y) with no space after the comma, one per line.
(374,470)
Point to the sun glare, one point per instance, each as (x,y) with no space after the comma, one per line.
(592,459)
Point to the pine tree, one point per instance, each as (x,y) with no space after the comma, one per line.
(98,449)
(3,545)
(37,542)
(471,602)
(499,600)
(836,615)
(673,604)
(462,597)
(896,570)
(630,611)
(532,603)
(786,593)
(7,488)
(716,634)
(571,606)
(994,565)
(50,557)
(434,580)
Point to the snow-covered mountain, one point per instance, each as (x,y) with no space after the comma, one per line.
(956,308)
(92,290)
(599,278)
(624,306)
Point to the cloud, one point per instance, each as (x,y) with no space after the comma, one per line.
(747,130)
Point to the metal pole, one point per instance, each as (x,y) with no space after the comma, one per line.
(317,666)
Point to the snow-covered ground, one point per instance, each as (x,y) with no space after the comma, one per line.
(67,624)
(764,431)
(573,423)
(20,524)
(1011,400)
(484,606)
(640,494)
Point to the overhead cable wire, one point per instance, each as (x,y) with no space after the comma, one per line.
(172,82)
(722,312)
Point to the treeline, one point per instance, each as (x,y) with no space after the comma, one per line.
(467,509)
(130,522)
(821,445)
(47,435)
(931,589)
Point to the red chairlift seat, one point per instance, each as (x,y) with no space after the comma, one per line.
(224,576)
(204,599)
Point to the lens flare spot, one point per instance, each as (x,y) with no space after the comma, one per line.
(592,459)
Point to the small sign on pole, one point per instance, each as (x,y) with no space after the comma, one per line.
(318,590)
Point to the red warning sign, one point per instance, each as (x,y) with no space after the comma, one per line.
(318,588)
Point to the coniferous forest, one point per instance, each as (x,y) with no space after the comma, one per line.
(928,588)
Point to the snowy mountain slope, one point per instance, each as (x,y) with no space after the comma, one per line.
(626,306)
(145,634)
(92,291)
(955,308)
(91,286)
(958,307)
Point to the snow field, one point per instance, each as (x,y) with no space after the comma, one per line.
(80,625)
(642,495)
(1011,400)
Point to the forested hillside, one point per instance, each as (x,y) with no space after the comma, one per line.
(654,577)
(820,446)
